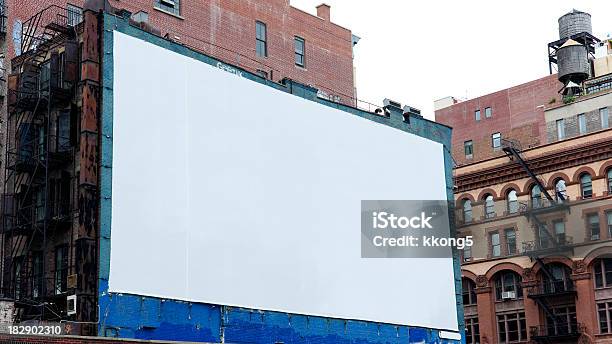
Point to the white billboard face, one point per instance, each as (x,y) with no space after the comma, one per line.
(226,191)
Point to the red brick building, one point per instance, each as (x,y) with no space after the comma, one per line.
(513,113)
(293,44)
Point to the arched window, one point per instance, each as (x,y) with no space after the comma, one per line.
(469,291)
(489,206)
(602,269)
(536,196)
(513,205)
(508,286)
(558,279)
(609,178)
(561,190)
(467,210)
(586,185)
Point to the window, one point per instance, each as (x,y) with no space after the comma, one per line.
(495,245)
(496,140)
(467,210)
(489,206)
(586,186)
(559,227)
(511,327)
(609,177)
(565,322)
(513,205)
(261,38)
(300,52)
(468,148)
(469,291)
(560,129)
(472,331)
(582,124)
(561,190)
(604,313)
(37,274)
(488,112)
(602,269)
(559,281)
(18,273)
(74,15)
(477,115)
(543,237)
(467,253)
(536,196)
(63,132)
(508,282)
(170,6)
(609,223)
(604,115)
(593,225)
(61,269)
(510,241)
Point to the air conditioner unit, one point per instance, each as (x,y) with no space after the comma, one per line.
(71,304)
(508,295)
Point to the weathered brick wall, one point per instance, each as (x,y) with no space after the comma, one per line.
(592,119)
(226,29)
(517,113)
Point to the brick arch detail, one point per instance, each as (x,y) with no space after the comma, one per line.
(583,169)
(486,191)
(503,266)
(507,188)
(555,176)
(596,253)
(551,260)
(605,167)
(469,275)
(464,196)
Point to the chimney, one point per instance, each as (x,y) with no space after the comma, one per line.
(323,11)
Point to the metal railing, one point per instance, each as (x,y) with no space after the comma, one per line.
(556,330)
(482,211)
(35,30)
(550,288)
(563,241)
(3,17)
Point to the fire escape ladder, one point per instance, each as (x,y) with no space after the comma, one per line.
(513,151)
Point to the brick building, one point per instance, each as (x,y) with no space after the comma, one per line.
(516,112)
(533,187)
(56,199)
(230,30)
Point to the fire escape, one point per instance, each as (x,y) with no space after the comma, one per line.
(36,203)
(553,288)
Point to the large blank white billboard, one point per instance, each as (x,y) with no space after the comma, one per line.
(229,192)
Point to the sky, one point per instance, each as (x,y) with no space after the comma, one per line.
(416,52)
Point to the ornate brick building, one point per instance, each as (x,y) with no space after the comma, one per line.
(533,187)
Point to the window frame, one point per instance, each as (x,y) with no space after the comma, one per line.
(500,285)
(468,288)
(591,226)
(477,115)
(512,204)
(599,269)
(470,144)
(489,203)
(609,179)
(582,125)
(60,274)
(261,40)
(496,137)
(297,39)
(488,112)
(521,326)
(175,9)
(604,117)
(495,234)
(586,187)
(467,210)
(510,241)
(472,330)
(560,129)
